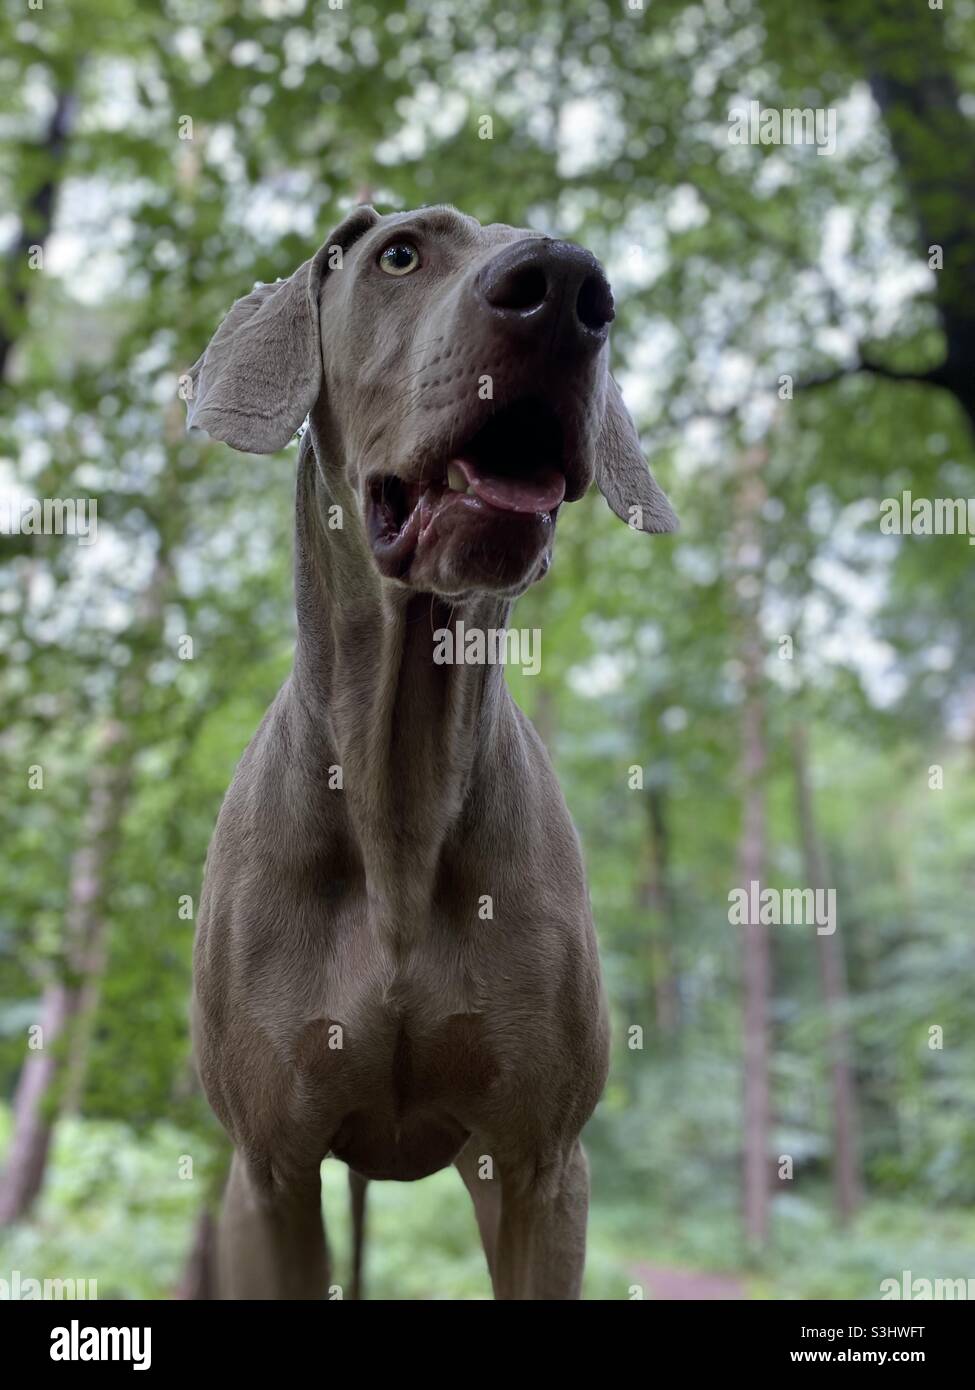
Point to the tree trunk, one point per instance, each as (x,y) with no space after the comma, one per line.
(37,219)
(657,894)
(63,1054)
(756,963)
(832,970)
(904,55)
(37,1095)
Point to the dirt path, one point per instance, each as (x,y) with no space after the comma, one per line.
(661,1282)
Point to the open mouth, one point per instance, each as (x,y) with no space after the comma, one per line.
(510,472)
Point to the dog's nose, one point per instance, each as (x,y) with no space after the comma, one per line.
(540,286)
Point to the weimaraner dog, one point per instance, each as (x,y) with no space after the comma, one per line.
(395,958)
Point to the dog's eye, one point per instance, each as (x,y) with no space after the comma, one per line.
(400,258)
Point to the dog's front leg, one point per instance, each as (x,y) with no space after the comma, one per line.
(485,1192)
(542,1234)
(271,1240)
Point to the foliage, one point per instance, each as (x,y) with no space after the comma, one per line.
(733,265)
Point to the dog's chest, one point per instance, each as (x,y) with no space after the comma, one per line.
(397,1064)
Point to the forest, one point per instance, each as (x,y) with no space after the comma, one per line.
(778,700)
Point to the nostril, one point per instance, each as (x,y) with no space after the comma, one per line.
(594,305)
(522,288)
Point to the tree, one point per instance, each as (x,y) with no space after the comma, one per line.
(846,1173)
(756,946)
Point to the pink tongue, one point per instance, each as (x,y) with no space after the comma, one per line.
(541,492)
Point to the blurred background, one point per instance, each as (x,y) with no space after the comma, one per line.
(782,692)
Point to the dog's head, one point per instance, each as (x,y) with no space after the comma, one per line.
(458,372)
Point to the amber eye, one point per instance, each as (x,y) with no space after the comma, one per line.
(400,258)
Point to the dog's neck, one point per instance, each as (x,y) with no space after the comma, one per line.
(408,732)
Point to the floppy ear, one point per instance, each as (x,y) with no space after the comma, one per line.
(622,475)
(262,371)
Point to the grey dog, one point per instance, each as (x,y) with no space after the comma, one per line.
(395,959)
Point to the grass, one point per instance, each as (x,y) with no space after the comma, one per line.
(120,1209)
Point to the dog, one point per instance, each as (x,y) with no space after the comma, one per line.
(395,960)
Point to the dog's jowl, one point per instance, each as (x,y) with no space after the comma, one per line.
(395,960)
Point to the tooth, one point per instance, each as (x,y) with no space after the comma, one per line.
(455,478)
